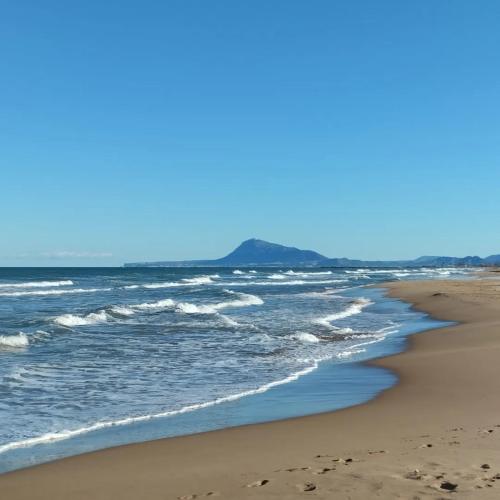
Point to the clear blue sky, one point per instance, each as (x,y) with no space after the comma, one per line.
(133,130)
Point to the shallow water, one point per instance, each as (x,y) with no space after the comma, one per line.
(91,358)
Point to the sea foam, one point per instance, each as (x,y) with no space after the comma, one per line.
(199,280)
(17,341)
(104,315)
(243,300)
(306,337)
(355,308)
(53,292)
(37,284)
(75,320)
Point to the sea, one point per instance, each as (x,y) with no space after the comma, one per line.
(98,357)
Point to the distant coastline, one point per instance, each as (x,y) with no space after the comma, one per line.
(255,252)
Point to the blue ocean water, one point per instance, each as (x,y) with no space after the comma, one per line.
(96,357)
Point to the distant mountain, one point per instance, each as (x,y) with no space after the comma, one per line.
(256,252)
(492,260)
(450,261)
(259,252)
(251,252)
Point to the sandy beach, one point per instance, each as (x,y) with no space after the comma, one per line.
(434,435)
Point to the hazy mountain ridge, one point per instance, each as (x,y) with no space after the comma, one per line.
(255,252)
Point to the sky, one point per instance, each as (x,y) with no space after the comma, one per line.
(148,130)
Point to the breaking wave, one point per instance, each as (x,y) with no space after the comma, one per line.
(200,280)
(53,292)
(109,314)
(355,308)
(89,319)
(243,300)
(306,274)
(19,340)
(37,284)
(306,337)
(282,282)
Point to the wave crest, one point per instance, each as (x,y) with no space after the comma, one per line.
(75,320)
(53,292)
(355,308)
(37,284)
(17,341)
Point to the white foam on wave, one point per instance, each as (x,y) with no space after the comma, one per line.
(306,274)
(355,308)
(52,437)
(306,337)
(167,284)
(364,336)
(199,280)
(188,308)
(237,271)
(37,284)
(243,300)
(353,334)
(53,292)
(279,282)
(122,310)
(341,331)
(329,293)
(276,276)
(75,320)
(349,353)
(358,348)
(158,305)
(16,341)
(102,316)
(375,271)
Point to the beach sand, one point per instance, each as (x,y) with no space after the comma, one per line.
(435,435)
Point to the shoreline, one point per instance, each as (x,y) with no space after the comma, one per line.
(439,388)
(331,384)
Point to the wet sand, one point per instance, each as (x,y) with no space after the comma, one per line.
(434,435)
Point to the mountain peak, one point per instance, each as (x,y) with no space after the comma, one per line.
(256,251)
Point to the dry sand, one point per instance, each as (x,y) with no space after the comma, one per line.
(438,428)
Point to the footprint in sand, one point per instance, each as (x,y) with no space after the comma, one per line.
(344,461)
(306,487)
(256,484)
(418,475)
(415,475)
(324,470)
(194,495)
(446,485)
